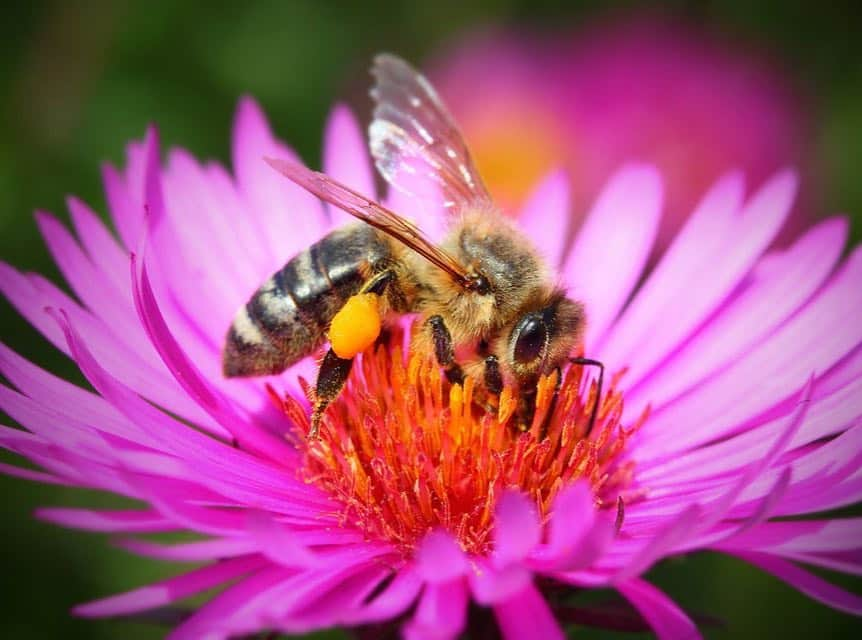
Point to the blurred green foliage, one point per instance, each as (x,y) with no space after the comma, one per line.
(79,79)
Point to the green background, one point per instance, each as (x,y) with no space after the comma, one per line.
(79,79)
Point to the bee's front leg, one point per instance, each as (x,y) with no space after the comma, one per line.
(444,350)
(589,362)
(527,405)
(492,377)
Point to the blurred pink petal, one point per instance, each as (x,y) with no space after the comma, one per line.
(545,217)
(345,158)
(527,615)
(615,242)
(633,87)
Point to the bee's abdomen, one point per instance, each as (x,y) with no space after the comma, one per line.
(287,317)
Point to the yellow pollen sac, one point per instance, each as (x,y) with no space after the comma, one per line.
(356,326)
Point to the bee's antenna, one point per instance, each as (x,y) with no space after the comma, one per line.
(587,362)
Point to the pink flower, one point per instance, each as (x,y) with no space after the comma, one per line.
(736,405)
(634,89)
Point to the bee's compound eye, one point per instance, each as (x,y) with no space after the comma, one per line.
(530,337)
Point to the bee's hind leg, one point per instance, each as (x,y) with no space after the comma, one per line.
(444,351)
(331,377)
(360,310)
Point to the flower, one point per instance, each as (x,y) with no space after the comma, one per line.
(639,88)
(732,404)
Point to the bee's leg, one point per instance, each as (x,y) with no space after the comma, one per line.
(444,350)
(587,362)
(553,403)
(492,376)
(493,383)
(377,284)
(526,406)
(331,377)
(348,343)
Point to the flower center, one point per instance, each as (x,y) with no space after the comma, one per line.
(406,452)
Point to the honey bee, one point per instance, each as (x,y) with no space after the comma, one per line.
(483,293)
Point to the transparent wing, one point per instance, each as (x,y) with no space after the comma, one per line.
(389,222)
(415,143)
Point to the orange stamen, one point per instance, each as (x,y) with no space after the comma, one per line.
(405,452)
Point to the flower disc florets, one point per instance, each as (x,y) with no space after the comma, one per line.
(406,452)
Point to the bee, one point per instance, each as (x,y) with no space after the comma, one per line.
(483,293)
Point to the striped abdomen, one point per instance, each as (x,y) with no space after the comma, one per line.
(287,318)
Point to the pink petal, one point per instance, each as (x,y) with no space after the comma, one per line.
(279,543)
(845,562)
(253,481)
(827,477)
(211,619)
(709,284)
(810,536)
(439,558)
(171,590)
(392,601)
(765,507)
(127,214)
(660,544)
(813,340)
(576,535)
(777,287)
(287,216)
(719,508)
(32,295)
(545,216)
(206,281)
(112,305)
(330,607)
(491,585)
(243,429)
(106,253)
(441,614)
(34,476)
(827,415)
(667,620)
(612,247)
(345,158)
(698,240)
(53,426)
(307,591)
(516,527)
(199,551)
(107,521)
(807,583)
(526,616)
(51,391)
(78,468)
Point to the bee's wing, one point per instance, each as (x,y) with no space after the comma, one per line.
(413,138)
(389,222)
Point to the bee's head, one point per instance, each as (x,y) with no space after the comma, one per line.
(542,338)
